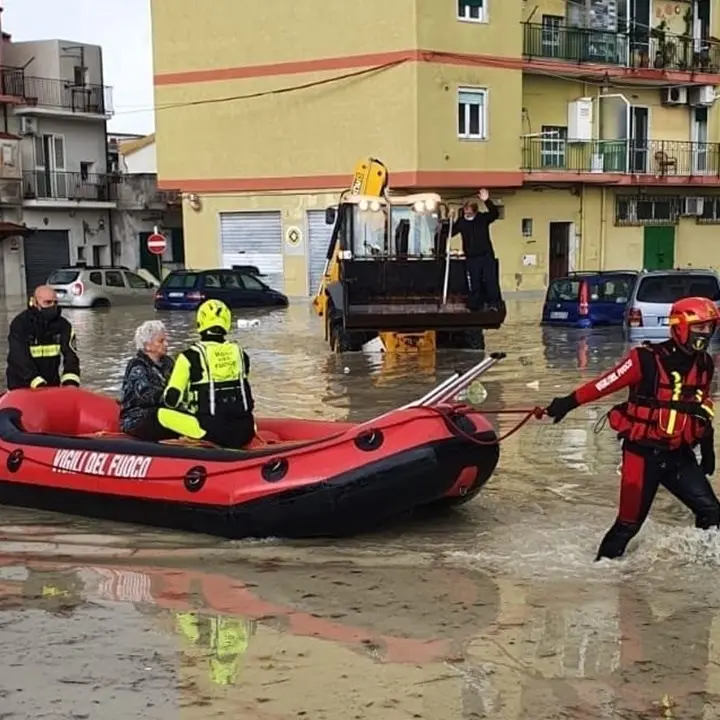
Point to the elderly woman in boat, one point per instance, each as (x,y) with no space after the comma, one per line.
(146,376)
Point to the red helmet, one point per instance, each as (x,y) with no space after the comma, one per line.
(693,322)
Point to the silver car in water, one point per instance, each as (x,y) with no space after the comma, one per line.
(96,287)
(647,312)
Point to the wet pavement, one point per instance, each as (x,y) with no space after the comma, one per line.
(496,611)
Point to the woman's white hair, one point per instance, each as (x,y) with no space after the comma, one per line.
(147,331)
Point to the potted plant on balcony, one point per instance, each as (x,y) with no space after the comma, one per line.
(666,50)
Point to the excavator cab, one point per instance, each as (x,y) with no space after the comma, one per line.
(391,275)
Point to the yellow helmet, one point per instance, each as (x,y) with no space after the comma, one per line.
(213,314)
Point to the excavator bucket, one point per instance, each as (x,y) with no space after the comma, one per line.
(370,178)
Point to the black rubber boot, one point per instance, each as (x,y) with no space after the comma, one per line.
(616,540)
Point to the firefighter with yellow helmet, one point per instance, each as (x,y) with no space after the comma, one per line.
(208,396)
(225,638)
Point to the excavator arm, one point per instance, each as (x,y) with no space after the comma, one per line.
(369,178)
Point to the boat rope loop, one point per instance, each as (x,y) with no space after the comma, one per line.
(450,417)
(17,457)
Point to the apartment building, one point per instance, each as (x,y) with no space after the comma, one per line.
(54,178)
(594,122)
(142,207)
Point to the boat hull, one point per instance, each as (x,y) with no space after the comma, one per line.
(332,480)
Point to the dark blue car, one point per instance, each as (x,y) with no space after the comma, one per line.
(589,299)
(186,289)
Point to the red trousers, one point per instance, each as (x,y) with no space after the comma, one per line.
(643,471)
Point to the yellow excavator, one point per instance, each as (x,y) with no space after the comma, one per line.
(391,281)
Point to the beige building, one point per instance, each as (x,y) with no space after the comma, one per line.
(594,122)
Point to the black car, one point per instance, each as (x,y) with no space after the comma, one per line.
(186,289)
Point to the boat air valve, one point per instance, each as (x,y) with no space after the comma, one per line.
(369,440)
(15,460)
(195,479)
(275,470)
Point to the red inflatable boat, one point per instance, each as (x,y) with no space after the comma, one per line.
(62,450)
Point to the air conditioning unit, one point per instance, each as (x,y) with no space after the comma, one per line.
(580,120)
(693,207)
(28,126)
(675,96)
(703,96)
(10,192)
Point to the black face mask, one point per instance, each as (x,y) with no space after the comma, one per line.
(48,314)
(699,338)
(699,342)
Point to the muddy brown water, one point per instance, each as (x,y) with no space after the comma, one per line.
(496,611)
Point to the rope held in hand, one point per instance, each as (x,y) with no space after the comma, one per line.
(536,412)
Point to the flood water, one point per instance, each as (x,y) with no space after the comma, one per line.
(497,611)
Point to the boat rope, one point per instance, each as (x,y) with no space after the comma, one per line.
(527,413)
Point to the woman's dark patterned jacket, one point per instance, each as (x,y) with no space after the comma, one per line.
(142,389)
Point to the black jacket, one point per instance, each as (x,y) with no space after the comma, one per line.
(142,389)
(476,232)
(36,350)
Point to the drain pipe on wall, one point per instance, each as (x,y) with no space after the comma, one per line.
(581,252)
(107,157)
(603,190)
(603,227)
(583,229)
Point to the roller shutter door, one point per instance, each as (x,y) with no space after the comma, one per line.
(45,251)
(254,238)
(319,235)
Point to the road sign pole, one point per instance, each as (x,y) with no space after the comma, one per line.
(157,244)
(159,257)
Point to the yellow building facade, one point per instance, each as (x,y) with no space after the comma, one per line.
(599,137)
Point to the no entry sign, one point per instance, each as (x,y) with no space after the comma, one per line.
(156,243)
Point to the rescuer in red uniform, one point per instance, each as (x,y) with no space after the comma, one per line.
(668,412)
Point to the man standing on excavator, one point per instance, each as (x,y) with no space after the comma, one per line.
(667,414)
(480,261)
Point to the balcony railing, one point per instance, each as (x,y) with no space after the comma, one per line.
(12,81)
(47,185)
(139,192)
(661,158)
(657,49)
(61,94)
(170,197)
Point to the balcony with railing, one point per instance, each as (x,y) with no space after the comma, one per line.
(140,192)
(660,159)
(45,185)
(658,49)
(60,96)
(12,82)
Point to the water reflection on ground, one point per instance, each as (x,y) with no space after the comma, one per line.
(328,640)
(495,611)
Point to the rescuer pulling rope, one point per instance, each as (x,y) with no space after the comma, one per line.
(667,414)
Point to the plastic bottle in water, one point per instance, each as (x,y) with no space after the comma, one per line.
(246,324)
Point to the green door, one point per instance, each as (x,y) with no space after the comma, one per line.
(659,247)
